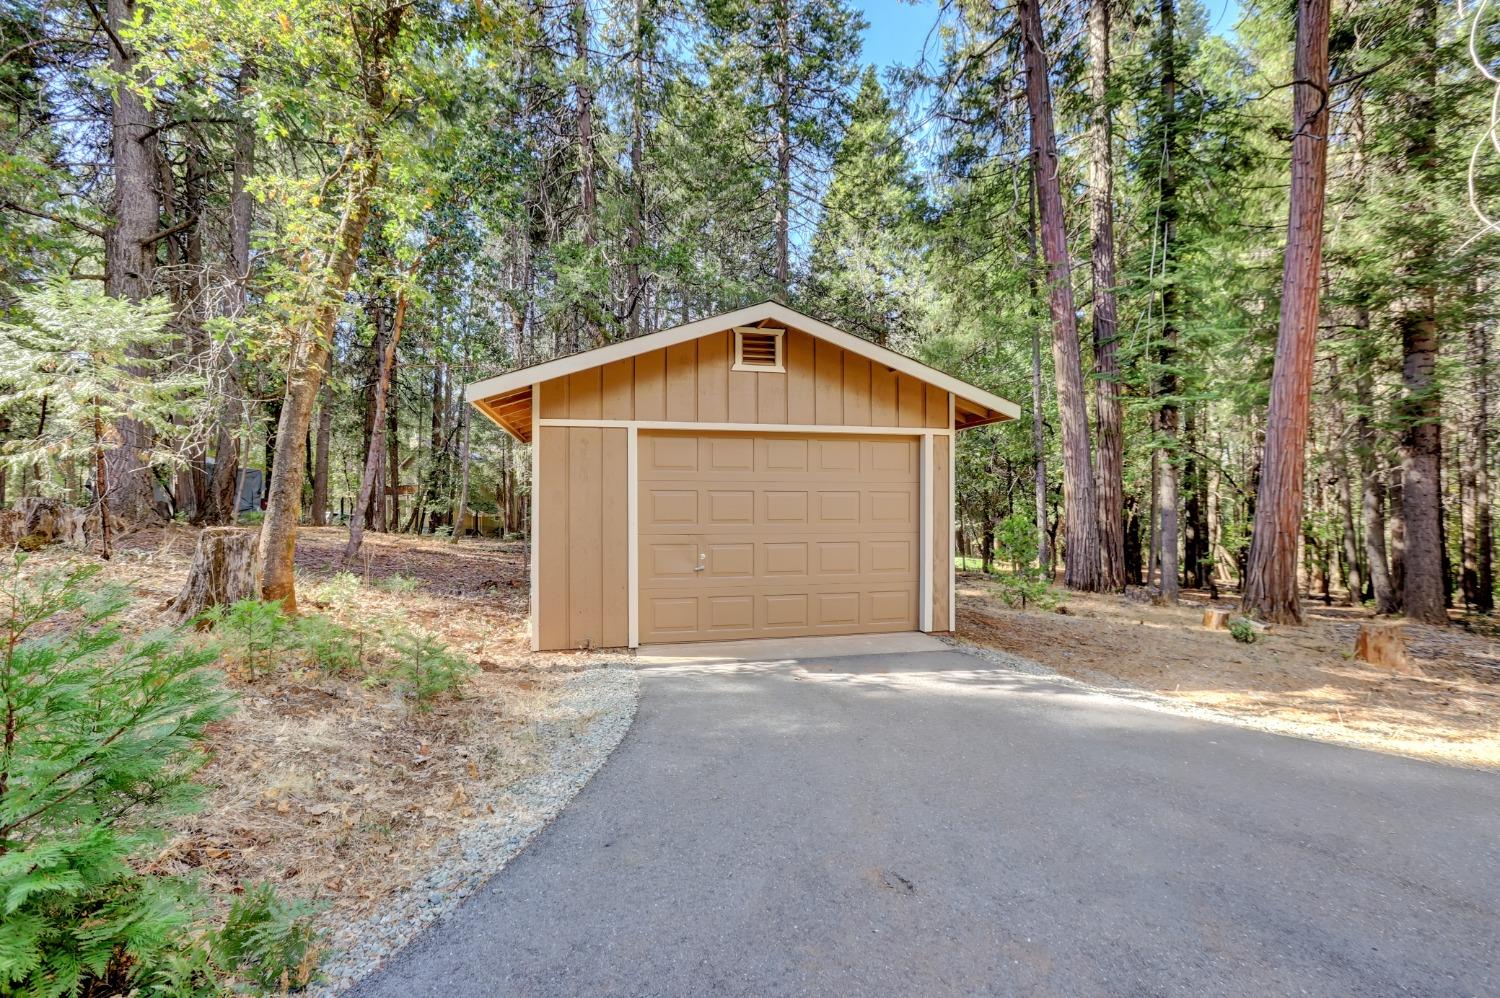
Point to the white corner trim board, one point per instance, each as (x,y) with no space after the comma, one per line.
(632,524)
(776,311)
(924,615)
(536,478)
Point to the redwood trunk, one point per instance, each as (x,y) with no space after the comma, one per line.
(1271,585)
(1079,500)
(1108,419)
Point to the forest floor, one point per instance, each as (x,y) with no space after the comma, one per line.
(334,789)
(1297,680)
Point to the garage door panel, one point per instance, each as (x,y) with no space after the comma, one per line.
(729,560)
(753,534)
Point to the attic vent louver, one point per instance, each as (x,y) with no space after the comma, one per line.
(757,349)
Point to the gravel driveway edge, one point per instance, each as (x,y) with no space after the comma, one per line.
(603,700)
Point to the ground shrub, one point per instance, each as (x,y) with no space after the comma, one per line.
(104,736)
(1025,584)
(421,667)
(399,583)
(329,646)
(255,635)
(267,941)
(1243,631)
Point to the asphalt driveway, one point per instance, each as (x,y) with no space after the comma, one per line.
(921,823)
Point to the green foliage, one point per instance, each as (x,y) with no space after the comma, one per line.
(267,941)
(399,583)
(339,589)
(94,360)
(255,635)
(329,646)
(104,736)
(1243,631)
(421,667)
(1025,584)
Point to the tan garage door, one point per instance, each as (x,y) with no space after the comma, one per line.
(759,535)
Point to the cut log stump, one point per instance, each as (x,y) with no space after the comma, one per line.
(42,521)
(226,568)
(1216,620)
(1383,645)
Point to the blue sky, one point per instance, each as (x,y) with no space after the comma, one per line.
(898,30)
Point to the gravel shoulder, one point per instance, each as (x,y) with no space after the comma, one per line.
(579,731)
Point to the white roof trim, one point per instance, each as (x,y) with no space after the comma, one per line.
(599,356)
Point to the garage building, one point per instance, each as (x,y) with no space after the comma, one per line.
(754,474)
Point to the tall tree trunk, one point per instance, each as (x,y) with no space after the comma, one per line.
(635,240)
(461,510)
(1271,586)
(1349,550)
(1420,410)
(584,93)
(393,448)
(1372,503)
(129,248)
(223,503)
(1079,499)
(320,466)
(1479,439)
(1038,419)
(309,362)
(1168,413)
(371,476)
(1108,418)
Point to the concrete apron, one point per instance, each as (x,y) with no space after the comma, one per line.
(787,651)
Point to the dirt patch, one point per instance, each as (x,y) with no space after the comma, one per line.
(1303,678)
(337,791)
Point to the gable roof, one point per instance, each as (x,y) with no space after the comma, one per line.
(509,393)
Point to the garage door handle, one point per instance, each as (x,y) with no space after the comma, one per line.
(700,566)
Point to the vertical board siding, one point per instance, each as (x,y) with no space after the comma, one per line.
(693,383)
(650,387)
(552,546)
(882,396)
(614,575)
(584,388)
(585,536)
(713,377)
(682,381)
(937,407)
(856,390)
(619,389)
(911,401)
(583,551)
(799,378)
(828,387)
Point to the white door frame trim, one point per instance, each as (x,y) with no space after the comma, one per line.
(924,614)
(951,542)
(632,524)
(799,428)
(536,495)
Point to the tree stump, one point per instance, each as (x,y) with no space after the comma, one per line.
(1383,645)
(226,568)
(1216,620)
